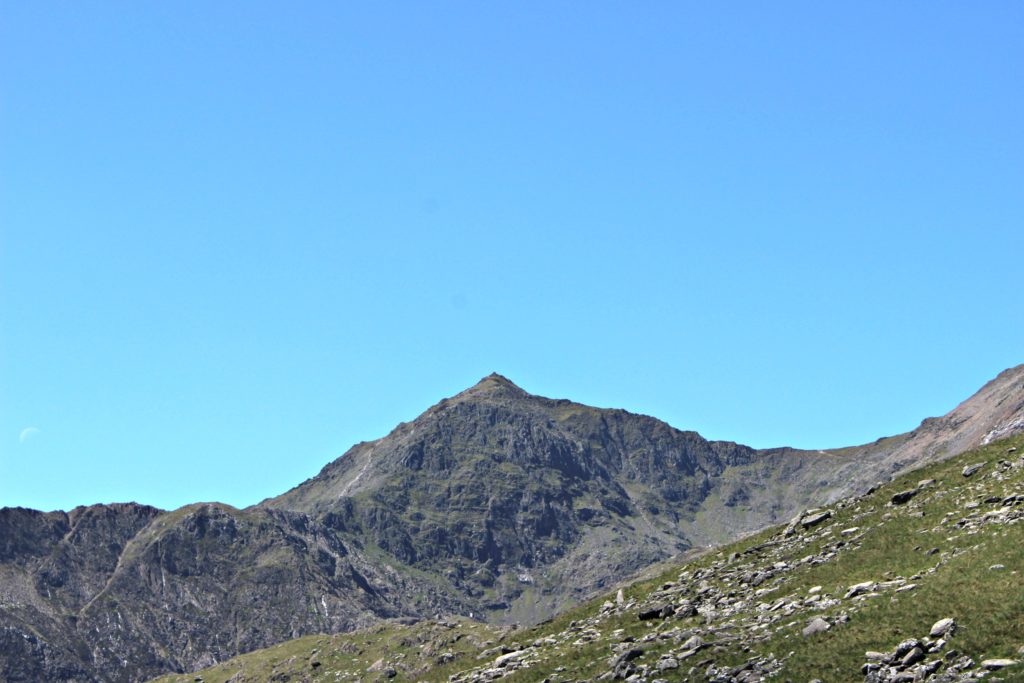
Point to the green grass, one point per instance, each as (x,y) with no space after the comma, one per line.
(349,656)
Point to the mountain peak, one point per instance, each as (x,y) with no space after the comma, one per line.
(494,385)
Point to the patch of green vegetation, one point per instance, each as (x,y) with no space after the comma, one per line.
(353,656)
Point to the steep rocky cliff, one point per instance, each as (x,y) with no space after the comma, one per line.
(120,593)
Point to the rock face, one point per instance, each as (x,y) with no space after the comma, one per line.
(494,503)
(500,491)
(124,592)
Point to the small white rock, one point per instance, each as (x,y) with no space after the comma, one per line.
(817,625)
(858,588)
(995,664)
(942,627)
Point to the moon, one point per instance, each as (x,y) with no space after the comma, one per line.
(29,433)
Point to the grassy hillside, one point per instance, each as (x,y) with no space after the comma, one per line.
(868,573)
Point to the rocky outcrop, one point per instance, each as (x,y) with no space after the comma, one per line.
(122,593)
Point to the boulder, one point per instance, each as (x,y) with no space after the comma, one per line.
(942,627)
(817,625)
(858,588)
(906,646)
(658,612)
(912,657)
(686,610)
(815,518)
(622,667)
(506,658)
(972,469)
(996,664)
(904,496)
(694,643)
(667,663)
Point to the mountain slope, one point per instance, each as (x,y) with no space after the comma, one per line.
(493,504)
(494,486)
(121,593)
(994,411)
(529,503)
(884,587)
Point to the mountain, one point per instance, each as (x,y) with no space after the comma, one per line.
(917,581)
(123,592)
(527,503)
(494,504)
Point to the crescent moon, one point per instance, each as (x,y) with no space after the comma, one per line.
(29,433)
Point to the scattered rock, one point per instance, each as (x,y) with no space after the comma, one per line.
(506,658)
(912,657)
(996,664)
(943,627)
(659,612)
(972,469)
(694,643)
(904,496)
(906,646)
(667,663)
(622,668)
(817,625)
(815,519)
(686,610)
(859,588)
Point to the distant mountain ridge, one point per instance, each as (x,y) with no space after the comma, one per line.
(493,503)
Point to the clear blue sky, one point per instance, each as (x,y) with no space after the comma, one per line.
(237,238)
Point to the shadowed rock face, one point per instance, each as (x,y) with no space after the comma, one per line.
(493,502)
(123,592)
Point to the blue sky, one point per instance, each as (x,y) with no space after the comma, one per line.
(237,238)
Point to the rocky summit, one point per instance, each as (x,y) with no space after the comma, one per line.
(494,506)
